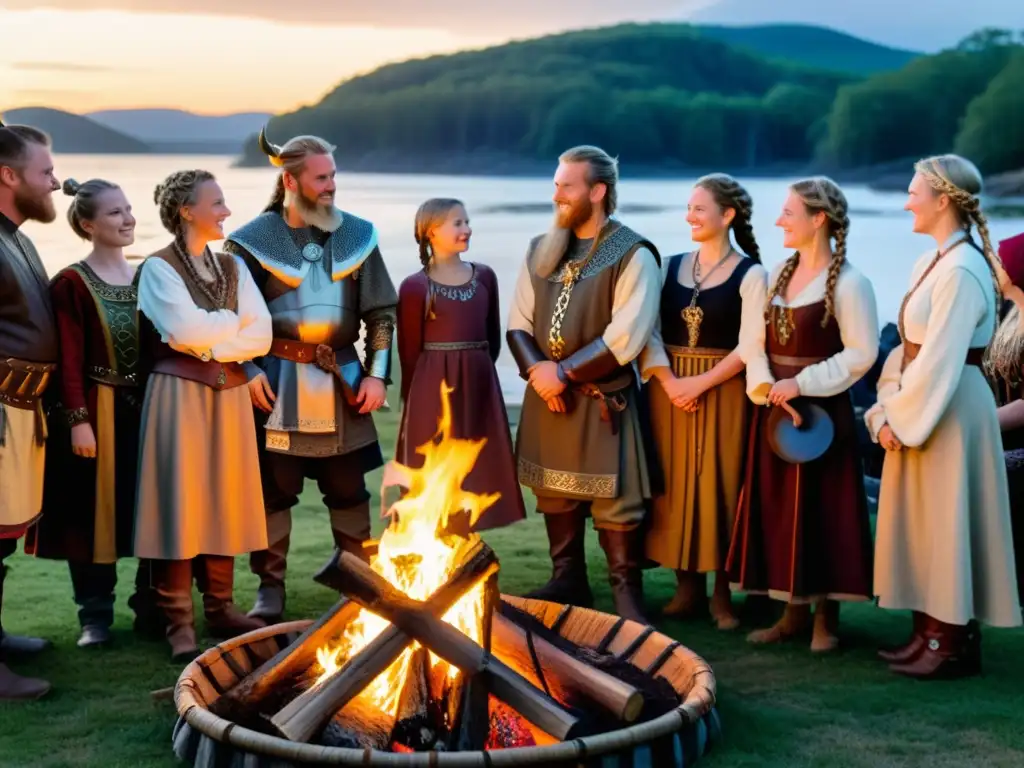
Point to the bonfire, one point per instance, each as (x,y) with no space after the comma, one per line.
(421,653)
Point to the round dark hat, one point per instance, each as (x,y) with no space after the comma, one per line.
(799,431)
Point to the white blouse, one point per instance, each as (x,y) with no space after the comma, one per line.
(222,335)
(857,317)
(953,310)
(753,291)
(635,306)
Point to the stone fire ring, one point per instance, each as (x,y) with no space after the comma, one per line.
(677,738)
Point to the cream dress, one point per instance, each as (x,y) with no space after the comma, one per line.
(943,543)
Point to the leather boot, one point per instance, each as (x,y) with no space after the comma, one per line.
(270,565)
(351,530)
(691,598)
(622,550)
(568,583)
(215,575)
(950,652)
(15,687)
(172,580)
(900,654)
(149,621)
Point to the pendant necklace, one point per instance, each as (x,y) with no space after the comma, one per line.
(694,315)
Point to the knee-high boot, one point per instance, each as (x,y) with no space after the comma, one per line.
(568,583)
(15,687)
(622,549)
(270,565)
(351,529)
(215,575)
(173,587)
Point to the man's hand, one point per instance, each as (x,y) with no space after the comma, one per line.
(544,379)
(784,391)
(83,440)
(888,440)
(372,394)
(261,394)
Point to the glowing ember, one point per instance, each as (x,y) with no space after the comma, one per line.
(418,554)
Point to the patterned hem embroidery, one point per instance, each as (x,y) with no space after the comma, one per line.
(575,483)
(77,416)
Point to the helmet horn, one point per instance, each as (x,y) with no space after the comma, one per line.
(270,150)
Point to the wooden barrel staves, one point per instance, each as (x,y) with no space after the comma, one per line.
(677,738)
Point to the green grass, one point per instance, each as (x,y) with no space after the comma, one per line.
(780,706)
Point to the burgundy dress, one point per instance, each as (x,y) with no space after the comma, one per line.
(802,531)
(458,344)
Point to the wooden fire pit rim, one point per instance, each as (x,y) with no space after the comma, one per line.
(699,701)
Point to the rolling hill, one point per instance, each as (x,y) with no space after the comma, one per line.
(175,130)
(814,46)
(74,134)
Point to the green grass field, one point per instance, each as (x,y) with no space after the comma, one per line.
(781,707)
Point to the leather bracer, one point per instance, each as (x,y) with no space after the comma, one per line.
(525,351)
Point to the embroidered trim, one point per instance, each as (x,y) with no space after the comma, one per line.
(379,334)
(453,346)
(77,416)
(120,293)
(574,483)
(457,292)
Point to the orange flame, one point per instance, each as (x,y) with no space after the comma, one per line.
(417,554)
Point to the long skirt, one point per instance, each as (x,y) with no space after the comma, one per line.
(944,540)
(802,531)
(199,489)
(701,457)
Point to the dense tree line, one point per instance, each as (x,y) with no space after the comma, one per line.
(658,93)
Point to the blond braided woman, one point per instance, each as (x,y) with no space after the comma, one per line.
(944,543)
(802,534)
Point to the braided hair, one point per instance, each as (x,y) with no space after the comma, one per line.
(431,214)
(819,195)
(960,180)
(729,193)
(177,191)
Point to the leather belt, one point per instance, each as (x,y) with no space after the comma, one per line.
(326,358)
(975,355)
(680,351)
(22,383)
(111,377)
(795,361)
(453,346)
(212,373)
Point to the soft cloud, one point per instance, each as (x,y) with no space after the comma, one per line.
(470,17)
(59,66)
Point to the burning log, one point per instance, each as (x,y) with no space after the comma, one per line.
(417,620)
(570,680)
(306,714)
(359,725)
(280,675)
(413,727)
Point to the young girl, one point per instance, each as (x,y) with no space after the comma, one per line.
(802,532)
(199,498)
(92,449)
(449,329)
(711,307)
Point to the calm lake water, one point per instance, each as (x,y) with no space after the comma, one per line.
(505,213)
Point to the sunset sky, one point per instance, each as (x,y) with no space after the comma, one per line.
(219,56)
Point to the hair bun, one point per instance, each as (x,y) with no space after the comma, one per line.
(71,187)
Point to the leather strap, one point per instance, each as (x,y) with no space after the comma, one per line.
(323,357)
(975,355)
(212,373)
(22,383)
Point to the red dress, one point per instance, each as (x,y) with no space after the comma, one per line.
(458,344)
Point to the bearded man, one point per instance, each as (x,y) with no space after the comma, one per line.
(28,358)
(585,304)
(322,275)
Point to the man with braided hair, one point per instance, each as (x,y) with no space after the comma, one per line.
(28,358)
(584,307)
(802,533)
(944,547)
(323,276)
